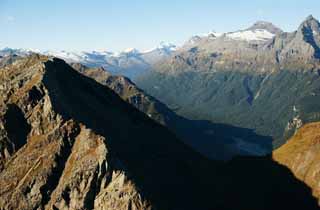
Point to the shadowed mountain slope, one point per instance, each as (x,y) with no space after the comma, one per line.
(216,141)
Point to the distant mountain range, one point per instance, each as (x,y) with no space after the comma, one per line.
(258,32)
(133,63)
(130,62)
(244,75)
(259,78)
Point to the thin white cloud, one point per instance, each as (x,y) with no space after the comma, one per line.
(9,19)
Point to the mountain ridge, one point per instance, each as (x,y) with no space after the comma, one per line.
(129,62)
(66,129)
(85,148)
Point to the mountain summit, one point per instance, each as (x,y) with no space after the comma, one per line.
(310,25)
(303,46)
(266,26)
(310,30)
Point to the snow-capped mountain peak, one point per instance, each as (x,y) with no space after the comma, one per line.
(129,62)
(130,50)
(163,46)
(259,31)
(213,34)
(167,45)
(210,35)
(251,35)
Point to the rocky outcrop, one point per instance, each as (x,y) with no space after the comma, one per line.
(301,50)
(267,26)
(48,161)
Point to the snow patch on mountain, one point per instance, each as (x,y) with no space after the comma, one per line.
(251,35)
(210,35)
(213,34)
(163,46)
(66,55)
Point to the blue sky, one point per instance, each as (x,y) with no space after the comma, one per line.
(118,24)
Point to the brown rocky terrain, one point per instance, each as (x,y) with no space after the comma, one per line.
(38,145)
(301,154)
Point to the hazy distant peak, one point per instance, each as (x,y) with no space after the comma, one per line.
(163,46)
(130,51)
(310,17)
(166,45)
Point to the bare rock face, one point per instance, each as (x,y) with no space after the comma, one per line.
(301,50)
(49,162)
(265,25)
(301,155)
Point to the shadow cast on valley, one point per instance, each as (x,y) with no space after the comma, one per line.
(169,173)
(221,141)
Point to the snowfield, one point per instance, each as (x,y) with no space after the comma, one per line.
(251,35)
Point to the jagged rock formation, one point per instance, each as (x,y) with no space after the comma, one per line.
(301,154)
(270,86)
(267,26)
(300,50)
(49,161)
